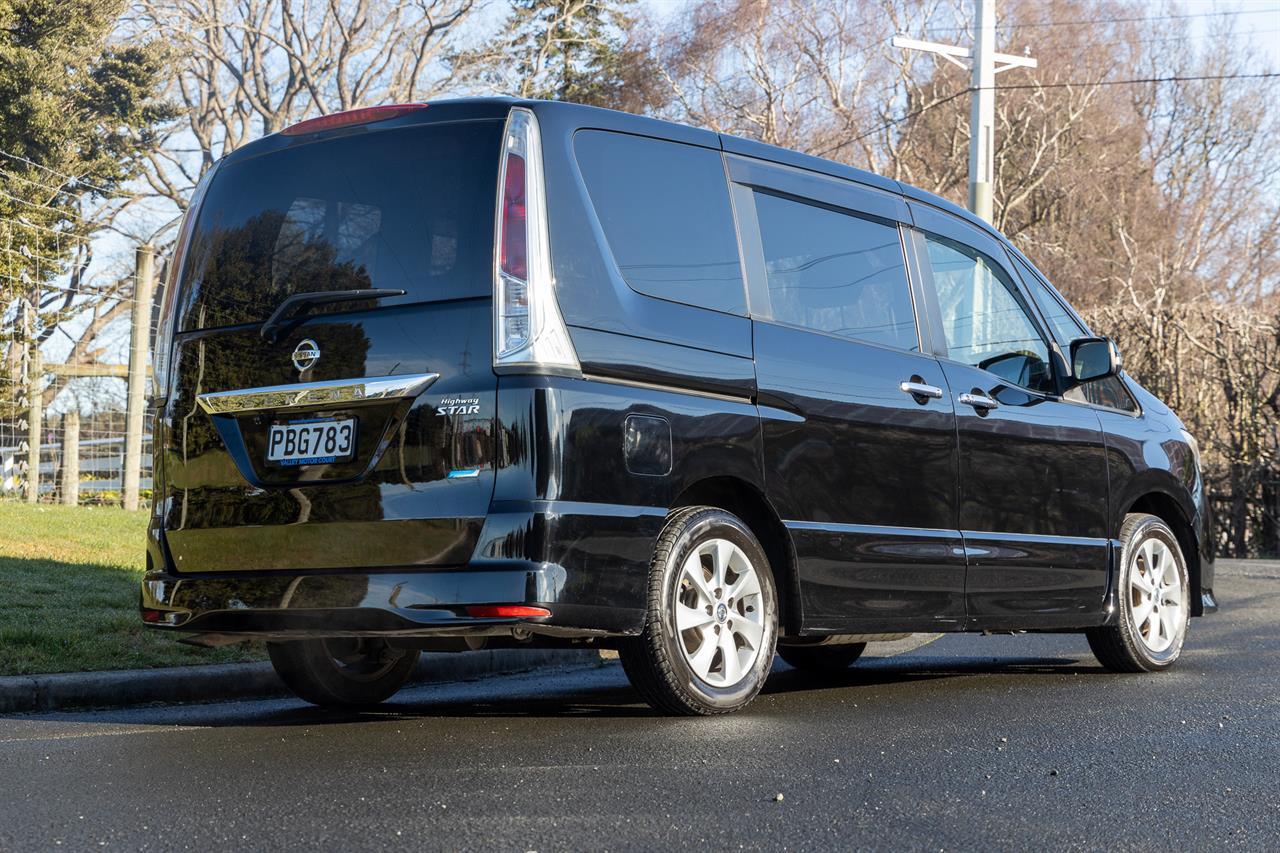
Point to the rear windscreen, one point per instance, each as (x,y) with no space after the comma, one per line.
(408,209)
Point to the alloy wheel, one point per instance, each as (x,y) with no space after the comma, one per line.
(719,613)
(1157,600)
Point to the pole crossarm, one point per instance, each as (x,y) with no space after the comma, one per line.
(954,53)
(949,52)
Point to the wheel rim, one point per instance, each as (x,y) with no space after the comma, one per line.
(360,658)
(1157,600)
(719,613)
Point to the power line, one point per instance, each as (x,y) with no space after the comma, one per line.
(67,179)
(1176,78)
(1120,20)
(1171,79)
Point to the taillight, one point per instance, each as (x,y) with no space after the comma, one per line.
(515,241)
(162,350)
(362,115)
(529,332)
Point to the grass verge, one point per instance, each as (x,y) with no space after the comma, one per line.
(69,594)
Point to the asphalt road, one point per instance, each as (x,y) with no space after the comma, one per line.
(968,743)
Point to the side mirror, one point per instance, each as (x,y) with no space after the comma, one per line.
(1093,358)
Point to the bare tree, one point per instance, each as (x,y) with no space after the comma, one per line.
(1139,165)
(246,68)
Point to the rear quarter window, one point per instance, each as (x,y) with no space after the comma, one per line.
(407,209)
(664,208)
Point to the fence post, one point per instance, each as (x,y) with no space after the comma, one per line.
(35,421)
(71,458)
(139,339)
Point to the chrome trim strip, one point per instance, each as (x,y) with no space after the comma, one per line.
(669,389)
(311,394)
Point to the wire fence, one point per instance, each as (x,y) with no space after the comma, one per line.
(71,324)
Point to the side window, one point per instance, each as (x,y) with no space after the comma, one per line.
(664,208)
(1109,392)
(1065,327)
(836,272)
(985,322)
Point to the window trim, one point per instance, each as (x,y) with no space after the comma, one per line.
(817,188)
(758,286)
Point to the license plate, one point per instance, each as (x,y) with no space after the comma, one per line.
(312,442)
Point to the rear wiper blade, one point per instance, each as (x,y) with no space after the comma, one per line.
(322,297)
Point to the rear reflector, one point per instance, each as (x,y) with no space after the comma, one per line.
(364,115)
(149,615)
(506,611)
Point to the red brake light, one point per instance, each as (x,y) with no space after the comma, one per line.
(515,243)
(506,611)
(364,115)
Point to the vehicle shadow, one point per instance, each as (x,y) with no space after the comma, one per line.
(594,693)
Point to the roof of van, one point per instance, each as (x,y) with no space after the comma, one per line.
(581,115)
(750,148)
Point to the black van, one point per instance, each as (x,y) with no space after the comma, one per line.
(498,373)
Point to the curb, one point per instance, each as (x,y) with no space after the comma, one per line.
(218,682)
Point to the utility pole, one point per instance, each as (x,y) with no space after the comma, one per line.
(982,116)
(136,399)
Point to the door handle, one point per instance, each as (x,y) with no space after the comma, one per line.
(919,389)
(978,401)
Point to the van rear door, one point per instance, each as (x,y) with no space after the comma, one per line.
(356,433)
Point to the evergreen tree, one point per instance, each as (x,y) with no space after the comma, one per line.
(77,114)
(568,50)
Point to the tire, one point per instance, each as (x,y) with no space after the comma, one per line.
(1154,606)
(825,658)
(670,666)
(343,672)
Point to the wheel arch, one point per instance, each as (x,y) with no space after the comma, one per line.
(1166,507)
(746,501)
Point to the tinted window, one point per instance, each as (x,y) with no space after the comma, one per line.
(664,208)
(984,320)
(409,209)
(835,272)
(1110,391)
(1065,327)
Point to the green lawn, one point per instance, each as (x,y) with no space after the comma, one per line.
(69,594)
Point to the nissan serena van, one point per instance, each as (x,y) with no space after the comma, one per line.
(498,373)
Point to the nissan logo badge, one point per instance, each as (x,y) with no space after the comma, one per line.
(305,354)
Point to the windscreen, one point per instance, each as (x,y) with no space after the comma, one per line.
(407,209)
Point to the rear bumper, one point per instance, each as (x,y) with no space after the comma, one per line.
(390,603)
(587,564)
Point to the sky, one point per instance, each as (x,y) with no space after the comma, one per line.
(1260,18)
